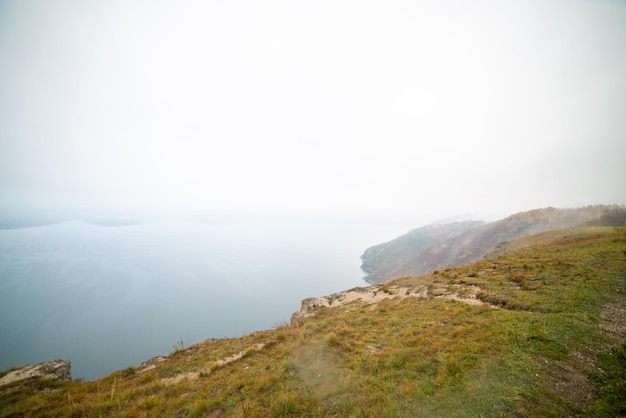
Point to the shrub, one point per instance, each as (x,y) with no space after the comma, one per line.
(332,340)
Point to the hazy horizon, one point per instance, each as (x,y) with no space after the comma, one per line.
(421,110)
(319,128)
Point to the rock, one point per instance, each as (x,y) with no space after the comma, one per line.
(58,370)
(151,364)
(370,295)
(154,361)
(377,293)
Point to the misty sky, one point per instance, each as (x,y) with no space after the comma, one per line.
(373,107)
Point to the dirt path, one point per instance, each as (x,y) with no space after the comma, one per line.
(195,375)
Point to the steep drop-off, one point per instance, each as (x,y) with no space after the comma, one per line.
(444,246)
(380,260)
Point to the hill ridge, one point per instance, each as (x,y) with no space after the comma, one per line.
(401,257)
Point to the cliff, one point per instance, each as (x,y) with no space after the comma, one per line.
(468,242)
(380,260)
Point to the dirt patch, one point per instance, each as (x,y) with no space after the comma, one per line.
(614,317)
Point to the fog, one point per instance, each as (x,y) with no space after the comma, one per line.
(180,170)
(414,109)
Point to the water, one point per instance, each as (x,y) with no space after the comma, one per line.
(111,297)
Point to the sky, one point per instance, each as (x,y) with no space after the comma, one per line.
(386,108)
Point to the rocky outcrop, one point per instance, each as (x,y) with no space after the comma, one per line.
(57,370)
(377,293)
(370,294)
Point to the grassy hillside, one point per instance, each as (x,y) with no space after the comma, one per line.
(531,332)
(379,260)
(471,245)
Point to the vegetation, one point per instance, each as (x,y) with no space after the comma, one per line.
(614,215)
(382,259)
(544,338)
(611,379)
(426,249)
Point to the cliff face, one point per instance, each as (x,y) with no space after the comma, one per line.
(380,260)
(57,370)
(471,242)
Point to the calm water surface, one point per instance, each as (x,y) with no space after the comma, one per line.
(111,297)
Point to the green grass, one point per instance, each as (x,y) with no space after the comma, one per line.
(532,354)
(610,377)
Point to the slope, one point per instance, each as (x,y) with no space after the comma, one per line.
(515,335)
(380,260)
(474,243)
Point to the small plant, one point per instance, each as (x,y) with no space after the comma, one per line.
(128,372)
(288,367)
(282,324)
(332,340)
(428,388)
(179,347)
(452,367)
